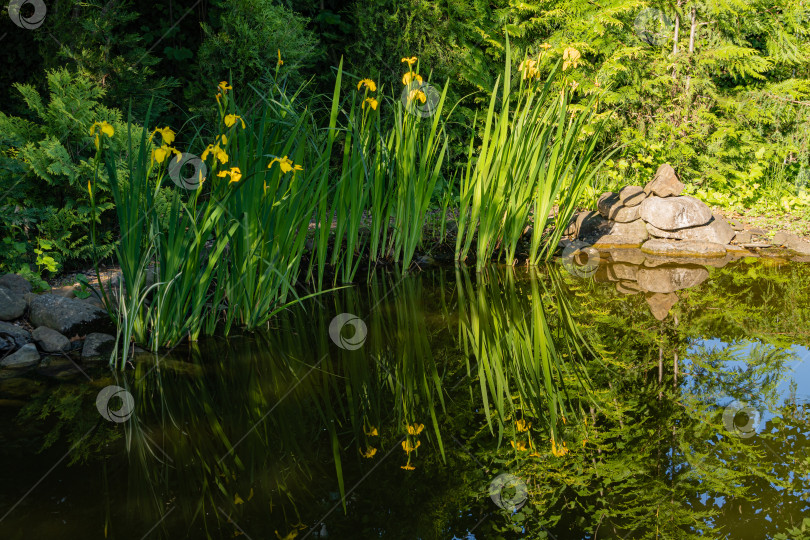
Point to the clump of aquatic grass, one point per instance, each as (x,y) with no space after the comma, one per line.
(418,153)
(532,157)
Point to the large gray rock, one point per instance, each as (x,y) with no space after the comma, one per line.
(27,356)
(661,303)
(97,345)
(792,242)
(668,279)
(606,202)
(68,316)
(717,231)
(50,340)
(613,241)
(635,229)
(12,304)
(632,195)
(624,214)
(683,248)
(16,283)
(675,213)
(15,336)
(665,183)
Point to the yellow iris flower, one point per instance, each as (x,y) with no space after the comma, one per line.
(411,61)
(416,429)
(368,83)
(371,101)
(372,432)
(215,148)
(280,61)
(166,134)
(409,77)
(101,127)
(231,119)
(571,58)
(417,94)
(224,87)
(523,425)
(408,467)
(234,173)
(161,153)
(286,165)
(369,453)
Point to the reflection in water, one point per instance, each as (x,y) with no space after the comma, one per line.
(610,414)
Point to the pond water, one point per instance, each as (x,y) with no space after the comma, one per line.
(632,400)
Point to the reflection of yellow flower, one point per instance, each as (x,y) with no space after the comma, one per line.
(571,58)
(371,101)
(231,119)
(234,173)
(368,83)
(520,445)
(409,77)
(224,87)
(416,429)
(369,453)
(411,61)
(286,165)
(558,451)
(523,425)
(408,467)
(372,432)
(408,447)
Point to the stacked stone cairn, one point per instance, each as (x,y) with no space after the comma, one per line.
(663,222)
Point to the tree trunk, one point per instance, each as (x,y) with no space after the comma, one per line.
(675,37)
(692,31)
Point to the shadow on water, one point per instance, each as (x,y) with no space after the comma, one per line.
(516,403)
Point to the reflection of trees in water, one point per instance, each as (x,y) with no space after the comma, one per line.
(468,356)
